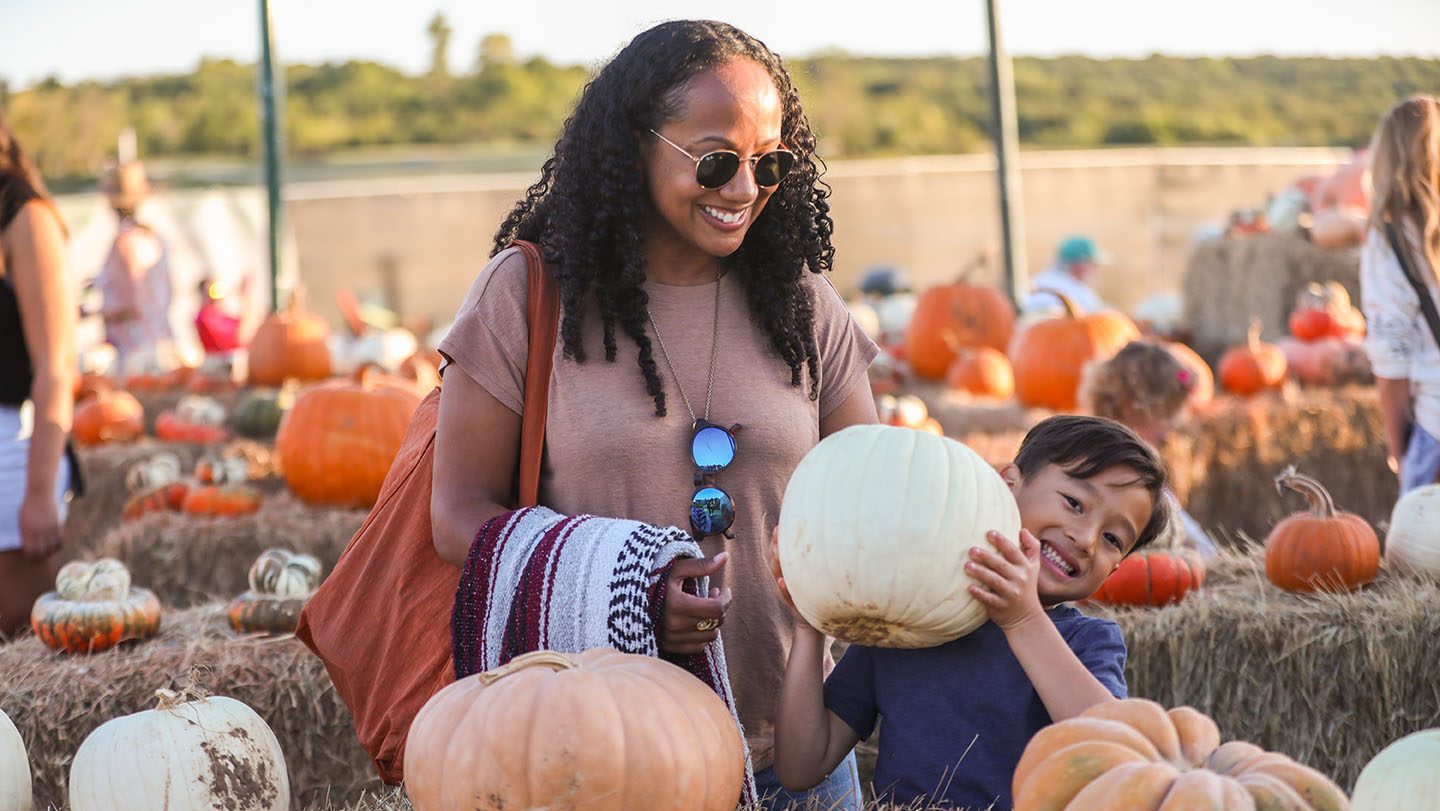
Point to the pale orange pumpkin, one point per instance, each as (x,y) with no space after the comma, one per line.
(1322,549)
(595,730)
(337,442)
(1048,356)
(1134,754)
(109,416)
(1254,367)
(983,372)
(290,343)
(950,317)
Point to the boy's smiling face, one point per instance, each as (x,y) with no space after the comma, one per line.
(1085,526)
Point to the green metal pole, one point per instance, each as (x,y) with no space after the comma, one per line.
(1007,154)
(272,105)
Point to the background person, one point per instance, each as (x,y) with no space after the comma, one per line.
(1075,264)
(37,368)
(134,282)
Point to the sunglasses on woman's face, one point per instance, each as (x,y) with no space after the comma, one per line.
(712,448)
(714,169)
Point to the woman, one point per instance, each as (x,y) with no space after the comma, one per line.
(37,359)
(135,280)
(685,224)
(1405,225)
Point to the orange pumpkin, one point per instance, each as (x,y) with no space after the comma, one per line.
(1134,754)
(290,343)
(1254,367)
(983,372)
(599,729)
(953,316)
(1321,549)
(1153,578)
(109,416)
(94,608)
(1202,390)
(165,498)
(89,384)
(336,443)
(221,501)
(1048,356)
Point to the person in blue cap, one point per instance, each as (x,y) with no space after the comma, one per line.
(1075,265)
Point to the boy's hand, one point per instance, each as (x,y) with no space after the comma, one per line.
(1007,578)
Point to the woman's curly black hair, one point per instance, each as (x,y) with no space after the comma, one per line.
(589,207)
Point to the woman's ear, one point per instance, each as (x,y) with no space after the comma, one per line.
(1011,474)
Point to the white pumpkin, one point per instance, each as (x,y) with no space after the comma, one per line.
(865,317)
(875,529)
(1414,537)
(15,790)
(282,573)
(1403,775)
(193,756)
(103,579)
(895,312)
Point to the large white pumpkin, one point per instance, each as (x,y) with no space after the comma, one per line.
(1403,775)
(193,756)
(875,530)
(1414,537)
(15,791)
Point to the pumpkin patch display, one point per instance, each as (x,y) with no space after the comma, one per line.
(1322,549)
(874,530)
(156,485)
(1135,755)
(196,418)
(15,788)
(1048,356)
(281,581)
(200,755)
(337,442)
(1402,775)
(589,731)
(94,608)
(221,489)
(109,416)
(291,343)
(1153,578)
(1414,537)
(951,317)
(1254,367)
(982,372)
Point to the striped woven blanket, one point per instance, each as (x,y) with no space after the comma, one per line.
(538,580)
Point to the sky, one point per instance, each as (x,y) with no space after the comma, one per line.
(101,39)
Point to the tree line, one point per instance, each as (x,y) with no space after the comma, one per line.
(859,106)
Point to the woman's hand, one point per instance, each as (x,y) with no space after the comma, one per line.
(1007,579)
(39,525)
(691,622)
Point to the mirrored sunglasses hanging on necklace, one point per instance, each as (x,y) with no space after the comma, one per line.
(712,447)
(716,168)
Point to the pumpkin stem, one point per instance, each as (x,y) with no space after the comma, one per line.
(1072,310)
(1252,337)
(540,658)
(1321,504)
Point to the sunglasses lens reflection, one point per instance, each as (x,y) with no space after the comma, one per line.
(773,167)
(713,449)
(711,511)
(716,169)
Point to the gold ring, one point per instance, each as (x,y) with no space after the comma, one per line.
(707,625)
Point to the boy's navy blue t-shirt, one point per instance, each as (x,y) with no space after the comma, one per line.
(958,716)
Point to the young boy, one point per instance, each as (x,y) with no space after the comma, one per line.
(957,716)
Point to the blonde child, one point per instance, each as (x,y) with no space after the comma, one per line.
(958,715)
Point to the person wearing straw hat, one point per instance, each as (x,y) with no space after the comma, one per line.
(135,279)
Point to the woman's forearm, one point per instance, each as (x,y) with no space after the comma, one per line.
(455,526)
(50,395)
(1395,413)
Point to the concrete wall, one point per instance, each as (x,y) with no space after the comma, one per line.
(417,243)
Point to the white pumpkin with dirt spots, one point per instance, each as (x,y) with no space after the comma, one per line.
(875,528)
(15,789)
(199,755)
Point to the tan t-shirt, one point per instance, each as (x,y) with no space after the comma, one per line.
(607,453)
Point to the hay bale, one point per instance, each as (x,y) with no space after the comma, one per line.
(1327,679)
(188,561)
(104,468)
(1223,466)
(961,413)
(1230,281)
(56,700)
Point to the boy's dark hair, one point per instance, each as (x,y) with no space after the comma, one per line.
(1086,446)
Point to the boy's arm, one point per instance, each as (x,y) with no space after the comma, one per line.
(1008,590)
(810,741)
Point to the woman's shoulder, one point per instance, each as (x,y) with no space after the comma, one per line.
(503,283)
(36,218)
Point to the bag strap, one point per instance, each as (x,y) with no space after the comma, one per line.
(1427,301)
(543,314)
